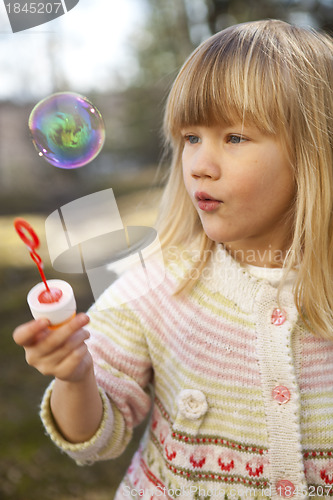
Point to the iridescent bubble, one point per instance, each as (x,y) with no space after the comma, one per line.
(67,130)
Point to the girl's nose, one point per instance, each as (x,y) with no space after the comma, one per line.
(207,163)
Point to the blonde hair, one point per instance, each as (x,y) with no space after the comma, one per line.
(279,78)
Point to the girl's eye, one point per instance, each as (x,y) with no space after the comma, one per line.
(192,139)
(236,139)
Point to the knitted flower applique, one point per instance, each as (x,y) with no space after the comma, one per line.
(192,404)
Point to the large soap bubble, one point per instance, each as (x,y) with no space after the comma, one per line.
(67,130)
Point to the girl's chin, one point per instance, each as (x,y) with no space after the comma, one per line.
(217,235)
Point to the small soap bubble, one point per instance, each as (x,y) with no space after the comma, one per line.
(67,130)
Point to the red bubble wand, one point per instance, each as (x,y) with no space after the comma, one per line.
(22,228)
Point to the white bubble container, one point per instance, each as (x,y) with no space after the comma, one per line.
(56,312)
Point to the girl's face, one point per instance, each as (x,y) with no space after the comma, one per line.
(241,183)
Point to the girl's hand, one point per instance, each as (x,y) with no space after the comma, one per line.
(61,353)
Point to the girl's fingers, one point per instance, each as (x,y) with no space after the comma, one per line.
(47,349)
(61,334)
(26,335)
(48,361)
(77,322)
(54,339)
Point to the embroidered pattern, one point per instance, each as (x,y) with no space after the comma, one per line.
(197,463)
(327,477)
(233,466)
(257,471)
(226,467)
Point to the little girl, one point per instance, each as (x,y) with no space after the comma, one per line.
(232,354)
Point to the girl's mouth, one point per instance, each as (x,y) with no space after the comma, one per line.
(206,202)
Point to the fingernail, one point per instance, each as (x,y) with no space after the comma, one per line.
(43,322)
(83,318)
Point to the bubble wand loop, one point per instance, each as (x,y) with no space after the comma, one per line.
(55,302)
(21,226)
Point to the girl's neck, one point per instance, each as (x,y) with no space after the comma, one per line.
(269,257)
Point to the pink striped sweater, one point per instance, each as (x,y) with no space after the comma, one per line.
(240,393)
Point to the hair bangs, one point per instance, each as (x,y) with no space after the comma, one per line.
(227,82)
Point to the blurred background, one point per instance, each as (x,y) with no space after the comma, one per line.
(123,55)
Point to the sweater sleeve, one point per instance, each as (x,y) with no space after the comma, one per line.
(123,372)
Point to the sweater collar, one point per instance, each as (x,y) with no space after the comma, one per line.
(227,276)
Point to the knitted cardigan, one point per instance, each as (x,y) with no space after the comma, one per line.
(242,400)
